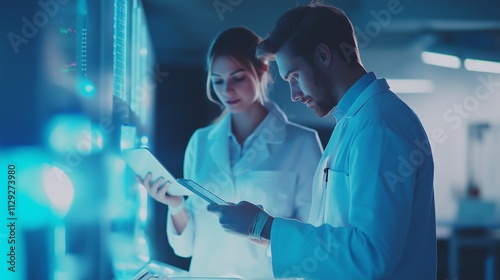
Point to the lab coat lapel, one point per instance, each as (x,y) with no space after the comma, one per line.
(258,153)
(273,132)
(219,145)
(317,212)
(318,206)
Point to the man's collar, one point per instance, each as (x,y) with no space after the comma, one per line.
(352,93)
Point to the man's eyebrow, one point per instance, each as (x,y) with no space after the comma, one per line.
(232,73)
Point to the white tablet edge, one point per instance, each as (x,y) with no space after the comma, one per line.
(142,161)
(201,191)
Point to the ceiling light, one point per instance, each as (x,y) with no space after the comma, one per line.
(443,60)
(411,85)
(482,66)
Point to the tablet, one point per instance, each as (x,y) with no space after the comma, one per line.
(202,192)
(142,161)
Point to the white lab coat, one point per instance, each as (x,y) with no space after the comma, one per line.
(276,172)
(373,217)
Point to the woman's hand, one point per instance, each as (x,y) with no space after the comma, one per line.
(158,190)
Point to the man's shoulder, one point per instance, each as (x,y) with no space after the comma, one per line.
(383,104)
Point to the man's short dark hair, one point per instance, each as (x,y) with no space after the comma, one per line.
(303,28)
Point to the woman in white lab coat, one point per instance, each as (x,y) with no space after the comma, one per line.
(251,153)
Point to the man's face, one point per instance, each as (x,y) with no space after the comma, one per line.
(304,85)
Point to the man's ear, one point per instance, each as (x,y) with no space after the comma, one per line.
(324,54)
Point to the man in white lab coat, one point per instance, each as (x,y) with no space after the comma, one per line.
(372,213)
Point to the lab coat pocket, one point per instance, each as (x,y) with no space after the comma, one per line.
(274,190)
(337,198)
(335,176)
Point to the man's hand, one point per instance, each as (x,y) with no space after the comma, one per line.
(237,219)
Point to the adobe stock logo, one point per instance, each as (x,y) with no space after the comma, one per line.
(310,264)
(372,29)
(225,6)
(39,19)
(455,116)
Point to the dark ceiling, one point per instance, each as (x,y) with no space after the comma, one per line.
(182,29)
(391,34)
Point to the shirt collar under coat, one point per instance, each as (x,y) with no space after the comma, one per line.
(275,123)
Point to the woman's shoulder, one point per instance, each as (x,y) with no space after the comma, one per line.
(291,127)
(303,136)
(208,131)
(301,130)
(203,131)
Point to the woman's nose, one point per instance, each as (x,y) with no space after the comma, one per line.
(228,88)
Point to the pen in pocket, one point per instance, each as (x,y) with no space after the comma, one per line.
(325,175)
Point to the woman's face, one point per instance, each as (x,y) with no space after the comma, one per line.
(233,84)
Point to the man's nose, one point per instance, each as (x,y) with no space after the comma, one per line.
(296,93)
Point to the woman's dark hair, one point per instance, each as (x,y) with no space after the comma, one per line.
(303,28)
(239,44)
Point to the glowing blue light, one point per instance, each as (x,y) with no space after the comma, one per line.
(58,188)
(128,134)
(86,87)
(143,200)
(89,88)
(73,132)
